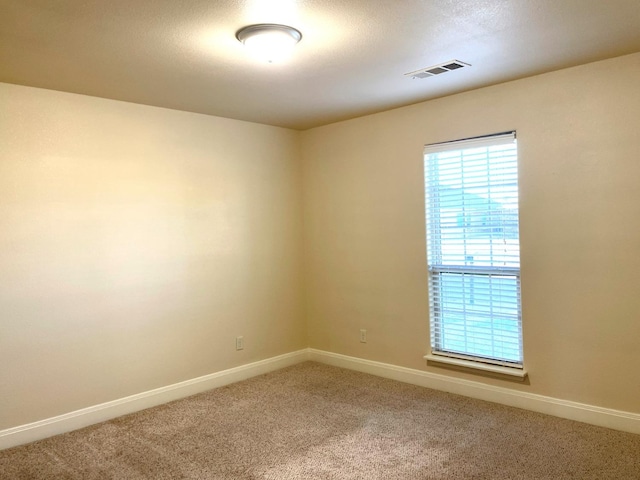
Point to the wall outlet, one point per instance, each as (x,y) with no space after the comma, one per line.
(363,335)
(240,343)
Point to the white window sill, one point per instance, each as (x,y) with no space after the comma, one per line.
(519,373)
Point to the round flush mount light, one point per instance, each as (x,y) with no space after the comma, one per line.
(269,41)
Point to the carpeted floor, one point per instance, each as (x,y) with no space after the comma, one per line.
(312,421)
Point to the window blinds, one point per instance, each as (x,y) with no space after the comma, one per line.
(473,249)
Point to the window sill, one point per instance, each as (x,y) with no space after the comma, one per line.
(514,373)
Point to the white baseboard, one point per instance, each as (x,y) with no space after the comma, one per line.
(604,417)
(48,427)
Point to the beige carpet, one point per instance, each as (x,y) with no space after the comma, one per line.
(313,421)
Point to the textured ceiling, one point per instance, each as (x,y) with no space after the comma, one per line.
(182,54)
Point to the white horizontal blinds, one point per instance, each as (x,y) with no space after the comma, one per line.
(473,248)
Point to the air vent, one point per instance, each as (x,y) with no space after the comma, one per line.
(437,69)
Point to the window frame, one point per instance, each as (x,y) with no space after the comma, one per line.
(437,351)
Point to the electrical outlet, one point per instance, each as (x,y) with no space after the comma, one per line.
(363,335)
(240,343)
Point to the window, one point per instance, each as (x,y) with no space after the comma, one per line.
(473,251)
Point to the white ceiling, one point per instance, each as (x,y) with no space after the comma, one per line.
(182,54)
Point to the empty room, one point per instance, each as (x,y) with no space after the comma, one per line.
(289,239)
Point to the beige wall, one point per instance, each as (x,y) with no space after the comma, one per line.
(136,243)
(579,156)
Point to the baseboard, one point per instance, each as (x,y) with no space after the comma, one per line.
(604,417)
(49,427)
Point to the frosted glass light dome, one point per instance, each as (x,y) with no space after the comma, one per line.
(269,42)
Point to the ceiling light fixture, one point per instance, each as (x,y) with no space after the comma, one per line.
(269,41)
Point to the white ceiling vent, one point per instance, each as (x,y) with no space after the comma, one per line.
(434,70)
